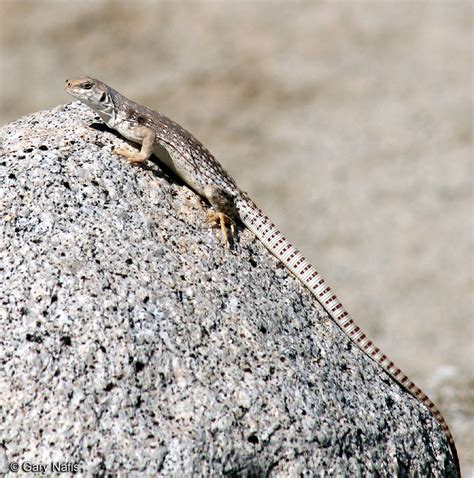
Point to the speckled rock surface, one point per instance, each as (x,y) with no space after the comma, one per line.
(132,342)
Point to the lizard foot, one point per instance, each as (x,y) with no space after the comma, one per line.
(132,157)
(223,220)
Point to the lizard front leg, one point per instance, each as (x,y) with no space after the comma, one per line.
(145,136)
(224,213)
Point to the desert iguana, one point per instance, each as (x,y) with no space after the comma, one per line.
(191,161)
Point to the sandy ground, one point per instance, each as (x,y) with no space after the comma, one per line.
(349,122)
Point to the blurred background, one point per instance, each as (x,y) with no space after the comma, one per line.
(348,122)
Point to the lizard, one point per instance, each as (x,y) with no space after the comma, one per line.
(186,156)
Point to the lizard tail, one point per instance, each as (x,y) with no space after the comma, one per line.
(278,245)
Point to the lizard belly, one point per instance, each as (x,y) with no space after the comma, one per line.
(176,163)
(166,158)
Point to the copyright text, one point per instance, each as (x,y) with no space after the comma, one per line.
(53,467)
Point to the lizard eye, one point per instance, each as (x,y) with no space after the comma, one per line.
(87,85)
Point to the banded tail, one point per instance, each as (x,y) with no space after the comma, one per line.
(278,245)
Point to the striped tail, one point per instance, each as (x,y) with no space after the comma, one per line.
(279,246)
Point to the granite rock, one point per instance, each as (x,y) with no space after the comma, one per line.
(133,343)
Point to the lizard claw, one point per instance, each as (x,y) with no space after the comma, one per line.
(223,220)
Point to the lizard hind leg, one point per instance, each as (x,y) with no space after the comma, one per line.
(224,211)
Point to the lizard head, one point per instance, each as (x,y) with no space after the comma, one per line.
(93,93)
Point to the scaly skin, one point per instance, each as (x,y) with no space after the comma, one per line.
(180,151)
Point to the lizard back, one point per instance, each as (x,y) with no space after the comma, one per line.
(176,147)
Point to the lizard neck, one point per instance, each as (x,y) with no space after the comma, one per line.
(109,108)
(108,116)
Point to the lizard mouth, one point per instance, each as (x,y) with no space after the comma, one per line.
(69,87)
